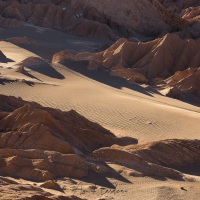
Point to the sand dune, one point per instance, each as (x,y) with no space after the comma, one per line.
(132,110)
(47,153)
(144,116)
(48,147)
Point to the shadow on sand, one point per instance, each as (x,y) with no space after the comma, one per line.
(103,179)
(30,75)
(47,70)
(6,60)
(104,77)
(190,169)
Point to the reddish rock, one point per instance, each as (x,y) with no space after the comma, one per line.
(143,62)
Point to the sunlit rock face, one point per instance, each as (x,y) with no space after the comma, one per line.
(171,60)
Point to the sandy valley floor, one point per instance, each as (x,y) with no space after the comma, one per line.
(126,110)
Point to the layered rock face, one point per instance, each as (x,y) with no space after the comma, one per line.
(60,15)
(152,62)
(96,18)
(180,5)
(184,82)
(39,165)
(101,19)
(157,158)
(188,10)
(42,144)
(7,22)
(64,132)
(145,17)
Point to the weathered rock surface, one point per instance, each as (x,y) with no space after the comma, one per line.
(93,18)
(161,158)
(51,184)
(20,40)
(162,152)
(39,144)
(7,22)
(29,125)
(188,10)
(38,165)
(185,82)
(42,144)
(143,62)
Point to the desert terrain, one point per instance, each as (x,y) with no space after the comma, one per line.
(99,101)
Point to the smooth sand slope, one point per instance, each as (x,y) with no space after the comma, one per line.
(110,101)
(127,110)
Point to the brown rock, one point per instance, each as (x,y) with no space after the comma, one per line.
(38,165)
(186,82)
(131,160)
(20,40)
(7,22)
(156,158)
(21,69)
(51,184)
(27,123)
(178,6)
(143,62)
(92,18)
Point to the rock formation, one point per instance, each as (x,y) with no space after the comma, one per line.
(7,22)
(159,46)
(20,40)
(25,121)
(37,165)
(21,69)
(91,18)
(41,144)
(146,62)
(155,159)
(184,82)
(95,18)
(180,5)
(160,58)
(50,184)
(188,10)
